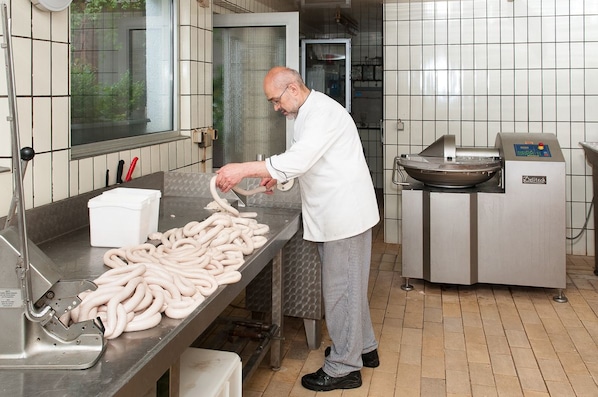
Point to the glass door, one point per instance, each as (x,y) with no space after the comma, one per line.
(246,46)
(325,67)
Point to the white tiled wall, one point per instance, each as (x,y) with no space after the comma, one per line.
(41,57)
(474,68)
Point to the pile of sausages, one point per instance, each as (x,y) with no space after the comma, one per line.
(173,277)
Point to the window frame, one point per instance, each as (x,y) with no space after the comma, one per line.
(133,142)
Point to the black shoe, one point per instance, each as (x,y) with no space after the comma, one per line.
(320,381)
(370,360)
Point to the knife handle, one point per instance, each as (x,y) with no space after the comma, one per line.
(119,171)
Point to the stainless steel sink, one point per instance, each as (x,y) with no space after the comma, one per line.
(591,151)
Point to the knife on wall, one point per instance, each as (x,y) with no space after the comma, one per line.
(119,171)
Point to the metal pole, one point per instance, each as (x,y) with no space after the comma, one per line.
(23,262)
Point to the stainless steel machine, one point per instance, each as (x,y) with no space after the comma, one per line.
(32,294)
(485,215)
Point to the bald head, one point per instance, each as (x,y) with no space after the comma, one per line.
(280,76)
(286,90)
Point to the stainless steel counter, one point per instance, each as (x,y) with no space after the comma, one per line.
(133,362)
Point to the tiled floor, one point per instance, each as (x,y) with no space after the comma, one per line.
(481,340)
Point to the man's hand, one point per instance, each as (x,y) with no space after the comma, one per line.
(269,183)
(229,176)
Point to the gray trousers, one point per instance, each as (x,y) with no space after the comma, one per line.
(345,274)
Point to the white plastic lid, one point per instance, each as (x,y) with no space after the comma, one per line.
(152,193)
(131,201)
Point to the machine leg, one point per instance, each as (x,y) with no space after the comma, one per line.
(406,286)
(560,298)
(313,333)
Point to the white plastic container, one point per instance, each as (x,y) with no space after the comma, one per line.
(118,220)
(210,373)
(154,200)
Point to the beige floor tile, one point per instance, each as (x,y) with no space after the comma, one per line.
(472,319)
(454,341)
(410,354)
(572,363)
(477,353)
(483,391)
(531,379)
(554,326)
(277,389)
(560,389)
(517,338)
(456,360)
(543,349)
(493,327)
(451,309)
(474,335)
(433,329)
(408,377)
(453,324)
(508,386)
(433,346)
(481,374)
(511,321)
(433,314)
(562,343)
(524,358)
(433,367)
(552,370)
(503,364)
(389,341)
(414,319)
(531,393)
(382,384)
(457,382)
(412,336)
(389,361)
(289,371)
(583,385)
(433,300)
(433,387)
(535,331)
(249,393)
(497,344)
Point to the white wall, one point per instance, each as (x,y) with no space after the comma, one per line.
(474,68)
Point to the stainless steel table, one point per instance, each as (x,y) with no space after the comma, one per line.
(133,362)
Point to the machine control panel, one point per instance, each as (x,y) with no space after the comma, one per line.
(532,150)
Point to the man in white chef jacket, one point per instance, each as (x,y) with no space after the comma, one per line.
(339,209)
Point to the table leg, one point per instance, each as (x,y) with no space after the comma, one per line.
(174,379)
(277,311)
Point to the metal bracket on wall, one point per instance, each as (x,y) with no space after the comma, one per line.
(204,136)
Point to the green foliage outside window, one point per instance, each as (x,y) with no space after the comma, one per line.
(92,101)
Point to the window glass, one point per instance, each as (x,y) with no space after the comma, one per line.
(121,69)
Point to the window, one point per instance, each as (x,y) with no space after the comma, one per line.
(121,71)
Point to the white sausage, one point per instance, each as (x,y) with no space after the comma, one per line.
(175,277)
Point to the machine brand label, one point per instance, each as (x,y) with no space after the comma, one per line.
(533,180)
(10,298)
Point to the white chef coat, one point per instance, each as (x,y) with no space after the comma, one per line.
(337,193)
